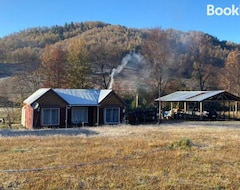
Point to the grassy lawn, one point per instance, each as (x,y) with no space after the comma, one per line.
(127,157)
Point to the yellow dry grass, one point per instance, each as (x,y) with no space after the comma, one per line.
(126,157)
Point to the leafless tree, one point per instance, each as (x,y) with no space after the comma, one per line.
(157,51)
(202,58)
(103,58)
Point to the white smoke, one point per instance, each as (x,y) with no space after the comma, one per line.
(131,57)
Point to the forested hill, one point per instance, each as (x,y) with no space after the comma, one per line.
(173,60)
(30,42)
(27,45)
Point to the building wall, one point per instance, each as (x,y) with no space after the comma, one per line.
(101,116)
(112,100)
(92,112)
(28,117)
(62,117)
(49,100)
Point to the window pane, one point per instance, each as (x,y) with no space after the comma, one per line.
(79,115)
(54,117)
(46,116)
(112,115)
(50,116)
(115,115)
(108,115)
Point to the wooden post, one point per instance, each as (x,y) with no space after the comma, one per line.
(236,110)
(201,108)
(185,107)
(97,115)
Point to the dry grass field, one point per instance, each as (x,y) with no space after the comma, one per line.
(188,155)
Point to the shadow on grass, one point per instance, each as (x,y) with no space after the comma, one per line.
(202,123)
(48,132)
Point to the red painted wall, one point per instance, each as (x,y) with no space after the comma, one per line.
(28,117)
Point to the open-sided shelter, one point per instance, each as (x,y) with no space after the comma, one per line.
(197,101)
(49,107)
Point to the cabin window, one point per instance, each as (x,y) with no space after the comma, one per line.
(50,116)
(79,115)
(112,115)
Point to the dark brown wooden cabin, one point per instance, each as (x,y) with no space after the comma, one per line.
(49,107)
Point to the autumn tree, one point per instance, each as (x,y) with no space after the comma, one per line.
(231,76)
(78,70)
(53,67)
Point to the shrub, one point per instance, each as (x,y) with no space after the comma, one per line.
(184,143)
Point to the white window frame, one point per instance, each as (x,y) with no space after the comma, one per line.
(50,123)
(111,116)
(79,111)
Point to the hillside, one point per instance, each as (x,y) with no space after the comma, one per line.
(31,42)
(15,47)
(26,47)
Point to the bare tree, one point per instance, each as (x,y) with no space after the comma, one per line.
(104,58)
(8,106)
(156,50)
(27,81)
(202,58)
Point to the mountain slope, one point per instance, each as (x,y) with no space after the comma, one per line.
(27,46)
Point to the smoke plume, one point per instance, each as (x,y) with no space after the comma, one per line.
(131,57)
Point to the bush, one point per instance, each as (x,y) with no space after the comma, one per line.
(184,143)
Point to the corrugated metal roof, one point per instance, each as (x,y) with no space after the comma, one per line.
(37,94)
(82,96)
(103,94)
(87,97)
(205,95)
(185,96)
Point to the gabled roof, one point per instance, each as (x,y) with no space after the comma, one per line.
(36,95)
(198,96)
(82,97)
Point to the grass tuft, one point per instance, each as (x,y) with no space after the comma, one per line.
(181,144)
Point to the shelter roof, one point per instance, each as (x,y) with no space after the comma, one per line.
(198,96)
